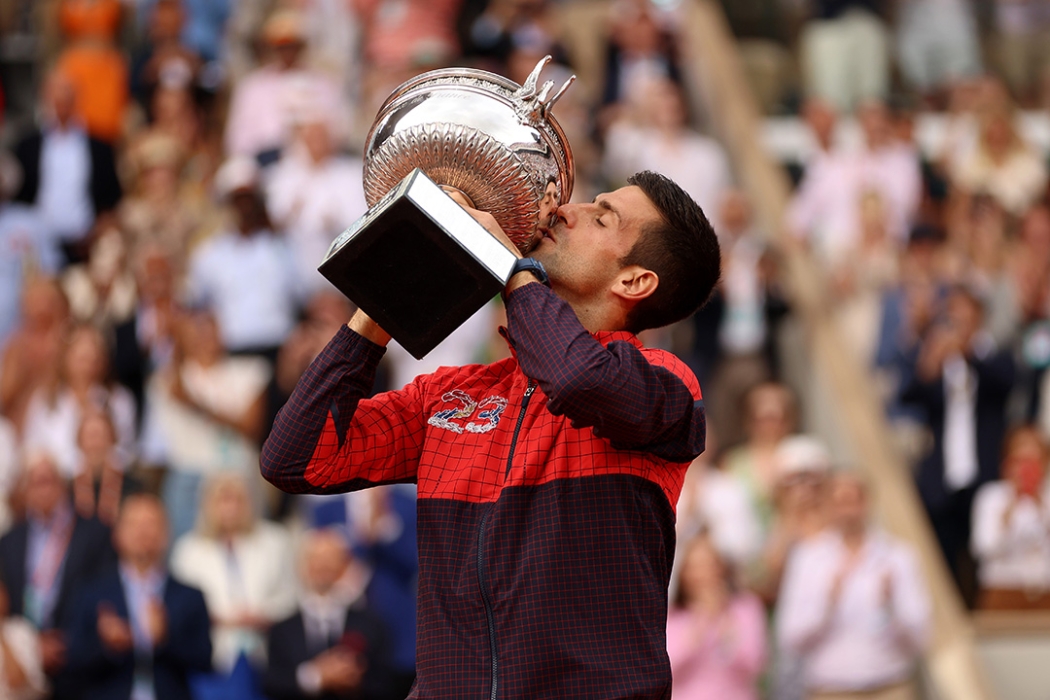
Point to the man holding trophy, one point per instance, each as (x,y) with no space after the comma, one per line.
(547,482)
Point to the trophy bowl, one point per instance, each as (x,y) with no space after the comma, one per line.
(417,262)
(482,134)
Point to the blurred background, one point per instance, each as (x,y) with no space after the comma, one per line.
(871,518)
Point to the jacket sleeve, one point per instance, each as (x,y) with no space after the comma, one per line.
(188,644)
(638,400)
(329,438)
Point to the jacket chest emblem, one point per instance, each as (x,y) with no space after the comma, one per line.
(457,418)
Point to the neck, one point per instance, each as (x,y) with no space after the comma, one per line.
(141,565)
(853,535)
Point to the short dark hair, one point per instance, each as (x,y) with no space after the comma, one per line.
(681,248)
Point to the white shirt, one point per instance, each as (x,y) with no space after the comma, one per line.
(64,195)
(960,423)
(259,578)
(1013,554)
(313,203)
(825,209)
(193,442)
(266,102)
(53,426)
(698,164)
(249,282)
(461,347)
(861,643)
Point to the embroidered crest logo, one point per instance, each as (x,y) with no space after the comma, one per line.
(488,412)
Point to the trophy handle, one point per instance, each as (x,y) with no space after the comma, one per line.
(534,102)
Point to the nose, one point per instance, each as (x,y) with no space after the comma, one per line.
(568,213)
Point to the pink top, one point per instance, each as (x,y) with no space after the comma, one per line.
(718,658)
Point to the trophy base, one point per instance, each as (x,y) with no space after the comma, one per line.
(418,264)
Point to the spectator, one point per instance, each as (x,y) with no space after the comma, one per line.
(716,634)
(769,411)
(55,411)
(94,64)
(165,60)
(44,561)
(802,467)
(21,668)
(69,176)
(826,207)
(100,485)
(1011,528)
(961,382)
(34,351)
(662,141)
(860,281)
(313,194)
(146,341)
(937,43)
(162,209)
(138,632)
(854,605)
(24,248)
(1003,165)
(420,36)
(640,49)
(242,565)
(209,410)
(246,275)
(332,646)
(101,289)
(845,52)
(752,305)
(263,102)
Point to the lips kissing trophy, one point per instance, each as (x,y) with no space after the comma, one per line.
(417,262)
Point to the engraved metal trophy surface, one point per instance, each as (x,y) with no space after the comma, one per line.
(417,262)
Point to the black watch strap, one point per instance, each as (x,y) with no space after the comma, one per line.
(533,266)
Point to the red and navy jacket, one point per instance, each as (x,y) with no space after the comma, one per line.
(547,484)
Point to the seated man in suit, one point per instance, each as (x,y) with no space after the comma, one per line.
(138,634)
(332,647)
(46,556)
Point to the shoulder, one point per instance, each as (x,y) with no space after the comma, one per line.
(177,590)
(992,493)
(669,361)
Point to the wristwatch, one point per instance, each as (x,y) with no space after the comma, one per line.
(533,266)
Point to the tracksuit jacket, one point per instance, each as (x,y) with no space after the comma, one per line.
(547,485)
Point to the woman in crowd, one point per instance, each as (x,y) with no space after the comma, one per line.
(100,485)
(82,383)
(244,568)
(1011,528)
(209,409)
(716,633)
(769,411)
(1003,165)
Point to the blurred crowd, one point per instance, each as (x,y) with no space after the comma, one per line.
(173,171)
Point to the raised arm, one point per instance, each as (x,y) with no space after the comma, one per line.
(637,399)
(328,438)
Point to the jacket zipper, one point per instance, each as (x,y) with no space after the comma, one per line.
(482,582)
(517,426)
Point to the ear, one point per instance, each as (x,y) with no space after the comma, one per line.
(635,283)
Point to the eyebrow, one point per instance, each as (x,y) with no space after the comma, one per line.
(604,204)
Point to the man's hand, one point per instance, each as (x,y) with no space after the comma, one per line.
(114,631)
(485,219)
(52,651)
(157,622)
(339,669)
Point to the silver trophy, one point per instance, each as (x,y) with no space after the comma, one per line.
(417,262)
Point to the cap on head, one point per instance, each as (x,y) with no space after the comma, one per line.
(802,454)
